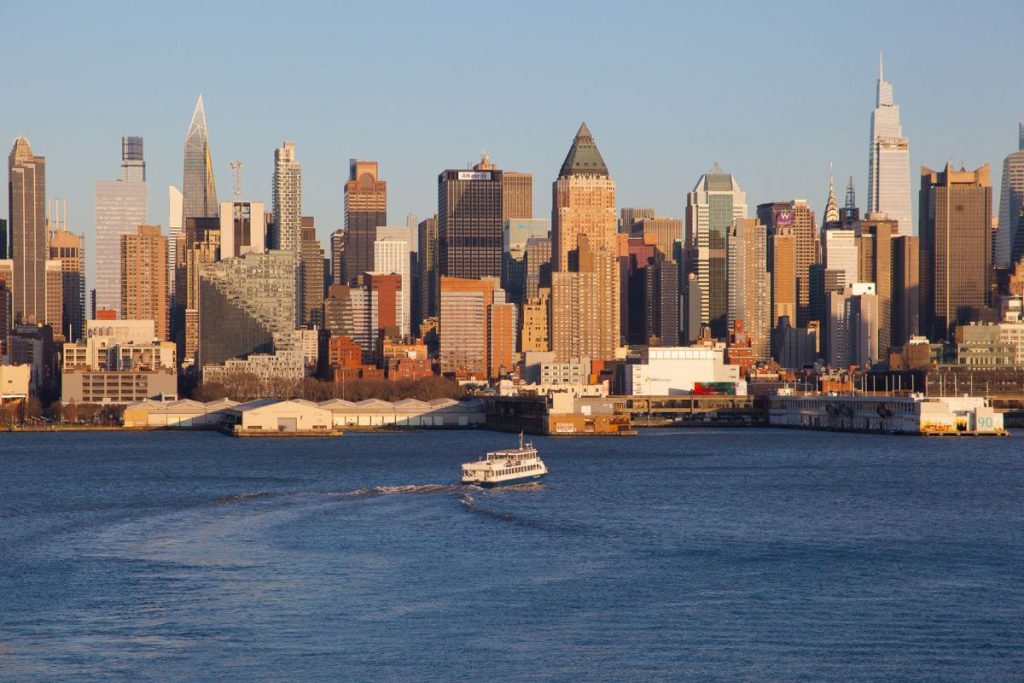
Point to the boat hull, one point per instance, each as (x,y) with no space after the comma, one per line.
(506,482)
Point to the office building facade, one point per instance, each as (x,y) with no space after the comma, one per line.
(469,214)
(27,209)
(144,278)
(366,208)
(750,284)
(956,246)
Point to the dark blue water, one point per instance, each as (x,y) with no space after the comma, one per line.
(677,555)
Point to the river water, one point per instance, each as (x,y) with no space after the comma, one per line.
(677,555)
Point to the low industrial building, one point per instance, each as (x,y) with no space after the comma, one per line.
(183,414)
(271,417)
(409,412)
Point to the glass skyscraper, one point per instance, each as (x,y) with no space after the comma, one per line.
(715,202)
(1010,237)
(889,160)
(121,207)
(199,191)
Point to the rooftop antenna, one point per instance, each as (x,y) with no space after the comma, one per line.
(236,166)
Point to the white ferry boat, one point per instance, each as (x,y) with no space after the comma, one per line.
(509,466)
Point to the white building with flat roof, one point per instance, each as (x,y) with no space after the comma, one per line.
(675,370)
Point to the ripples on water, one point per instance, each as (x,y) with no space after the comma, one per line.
(677,555)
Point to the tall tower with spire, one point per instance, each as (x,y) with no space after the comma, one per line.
(849,214)
(889,159)
(199,190)
(831,216)
(1010,235)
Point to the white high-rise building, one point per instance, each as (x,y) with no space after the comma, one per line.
(889,160)
(175,225)
(1010,237)
(392,256)
(121,207)
(715,202)
(287,199)
(842,256)
(853,326)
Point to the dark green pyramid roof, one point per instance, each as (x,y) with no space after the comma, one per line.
(583,157)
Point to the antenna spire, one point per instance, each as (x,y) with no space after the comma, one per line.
(236,166)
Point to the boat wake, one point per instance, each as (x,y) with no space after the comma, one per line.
(244,496)
(393,490)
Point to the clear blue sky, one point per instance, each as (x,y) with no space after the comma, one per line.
(773,91)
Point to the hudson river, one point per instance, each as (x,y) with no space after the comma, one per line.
(677,555)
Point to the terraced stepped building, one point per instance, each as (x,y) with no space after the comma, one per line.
(247,308)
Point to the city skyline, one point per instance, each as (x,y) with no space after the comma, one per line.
(777,152)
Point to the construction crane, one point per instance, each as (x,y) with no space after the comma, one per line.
(236,166)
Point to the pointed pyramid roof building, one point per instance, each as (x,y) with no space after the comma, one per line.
(583,157)
(199,189)
(831,207)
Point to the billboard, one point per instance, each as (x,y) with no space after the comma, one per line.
(714,388)
(783,218)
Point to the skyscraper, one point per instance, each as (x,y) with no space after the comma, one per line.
(831,217)
(515,234)
(906,283)
(889,159)
(27,207)
(585,287)
(338,258)
(199,191)
(430,291)
(715,202)
(477,327)
(287,199)
(749,283)
(311,274)
(121,207)
(956,246)
(797,218)
(366,207)
(1010,241)
(629,215)
(663,233)
(69,249)
(583,202)
(585,315)
(144,278)
(175,234)
(875,263)
(516,195)
(469,211)
(133,165)
(391,257)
